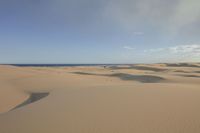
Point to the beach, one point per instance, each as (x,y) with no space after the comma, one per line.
(140,98)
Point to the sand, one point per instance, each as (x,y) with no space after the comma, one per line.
(153,98)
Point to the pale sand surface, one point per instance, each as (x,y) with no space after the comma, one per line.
(154,98)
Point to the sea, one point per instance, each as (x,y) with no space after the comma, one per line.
(61,65)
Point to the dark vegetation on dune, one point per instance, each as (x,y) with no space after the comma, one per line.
(139,78)
(124,76)
(84,73)
(181,71)
(193,76)
(33,98)
(181,65)
(139,68)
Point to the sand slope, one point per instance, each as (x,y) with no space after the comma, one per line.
(156,98)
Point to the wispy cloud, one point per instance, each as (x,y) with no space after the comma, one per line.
(178,53)
(154,50)
(173,16)
(128,48)
(138,33)
(192,49)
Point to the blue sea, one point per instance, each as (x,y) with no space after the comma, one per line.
(59,65)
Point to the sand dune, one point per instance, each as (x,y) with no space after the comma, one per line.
(152,98)
(33,97)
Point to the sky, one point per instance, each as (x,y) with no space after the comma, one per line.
(99,31)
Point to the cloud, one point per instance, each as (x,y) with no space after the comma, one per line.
(128,48)
(154,50)
(177,53)
(174,16)
(193,50)
(138,33)
(168,16)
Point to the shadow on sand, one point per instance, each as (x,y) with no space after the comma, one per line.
(124,76)
(33,98)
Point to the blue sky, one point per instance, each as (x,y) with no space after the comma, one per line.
(99,31)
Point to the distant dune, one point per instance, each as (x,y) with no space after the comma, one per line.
(153,98)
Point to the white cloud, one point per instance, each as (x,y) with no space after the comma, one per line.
(177,53)
(128,48)
(192,49)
